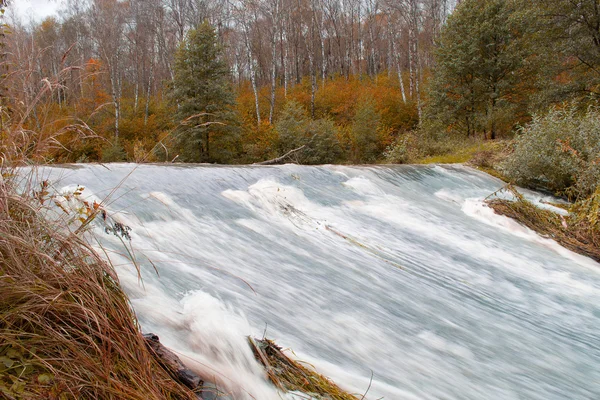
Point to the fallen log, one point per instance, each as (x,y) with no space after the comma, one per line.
(280,159)
(172,363)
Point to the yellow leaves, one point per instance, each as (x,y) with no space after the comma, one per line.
(72,204)
(588,211)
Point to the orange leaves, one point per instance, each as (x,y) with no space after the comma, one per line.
(336,99)
(259,142)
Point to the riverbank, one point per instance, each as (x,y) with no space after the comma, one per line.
(67,329)
(577,231)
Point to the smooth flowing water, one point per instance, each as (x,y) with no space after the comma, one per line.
(399,272)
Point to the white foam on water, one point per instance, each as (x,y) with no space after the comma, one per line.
(449,196)
(419,220)
(364,186)
(216,336)
(438,343)
(209,336)
(275,200)
(476,208)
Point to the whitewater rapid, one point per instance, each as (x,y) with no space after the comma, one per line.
(396,272)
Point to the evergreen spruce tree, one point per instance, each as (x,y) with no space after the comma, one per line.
(210,127)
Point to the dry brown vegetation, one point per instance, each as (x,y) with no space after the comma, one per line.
(579,231)
(289,375)
(67,330)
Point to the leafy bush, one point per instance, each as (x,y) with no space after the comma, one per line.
(324,146)
(559,151)
(291,127)
(364,131)
(296,129)
(402,151)
(114,153)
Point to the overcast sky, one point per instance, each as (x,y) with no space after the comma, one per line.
(38,9)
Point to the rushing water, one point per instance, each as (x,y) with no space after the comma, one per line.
(397,272)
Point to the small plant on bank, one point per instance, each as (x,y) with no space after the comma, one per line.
(402,150)
(114,152)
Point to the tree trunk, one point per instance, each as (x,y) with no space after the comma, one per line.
(116,102)
(148,92)
(399,69)
(273,68)
(252,74)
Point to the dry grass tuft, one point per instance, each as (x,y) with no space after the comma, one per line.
(289,375)
(578,232)
(66,329)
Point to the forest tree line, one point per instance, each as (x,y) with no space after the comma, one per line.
(112,64)
(353,81)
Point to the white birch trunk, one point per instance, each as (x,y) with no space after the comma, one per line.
(252,71)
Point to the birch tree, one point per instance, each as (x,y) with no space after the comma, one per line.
(107,27)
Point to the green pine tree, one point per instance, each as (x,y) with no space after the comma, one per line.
(210,128)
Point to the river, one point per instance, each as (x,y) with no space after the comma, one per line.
(399,273)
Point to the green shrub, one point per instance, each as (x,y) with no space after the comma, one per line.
(558,151)
(296,129)
(291,127)
(364,132)
(114,153)
(324,146)
(402,150)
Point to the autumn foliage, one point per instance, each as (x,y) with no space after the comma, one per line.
(337,100)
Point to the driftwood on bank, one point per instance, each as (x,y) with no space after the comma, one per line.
(286,374)
(172,363)
(282,158)
(203,389)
